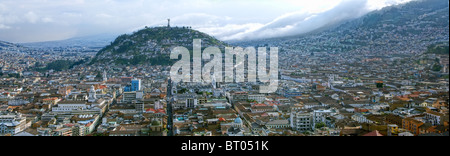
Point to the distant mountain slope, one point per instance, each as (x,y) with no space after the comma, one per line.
(406,28)
(422,11)
(93,41)
(151,46)
(418,23)
(6,45)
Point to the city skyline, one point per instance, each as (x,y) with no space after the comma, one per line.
(383,74)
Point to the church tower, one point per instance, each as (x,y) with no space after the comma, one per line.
(92,95)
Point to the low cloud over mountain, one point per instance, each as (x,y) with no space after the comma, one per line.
(37,20)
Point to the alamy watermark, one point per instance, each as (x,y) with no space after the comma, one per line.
(224,67)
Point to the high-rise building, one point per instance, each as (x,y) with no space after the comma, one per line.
(302,120)
(136,85)
(129,97)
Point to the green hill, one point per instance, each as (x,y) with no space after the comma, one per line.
(151,46)
(440,49)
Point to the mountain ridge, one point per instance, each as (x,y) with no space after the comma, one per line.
(95,41)
(4,45)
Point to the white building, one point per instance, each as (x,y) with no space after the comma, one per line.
(301,121)
(277,124)
(361,118)
(12,124)
(257,97)
(433,117)
(129,97)
(321,115)
(186,101)
(69,106)
(92,95)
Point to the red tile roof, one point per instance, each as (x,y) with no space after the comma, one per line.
(259,105)
(151,110)
(161,111)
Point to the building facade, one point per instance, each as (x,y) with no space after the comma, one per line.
(12,124)
(136,85)
(301,121)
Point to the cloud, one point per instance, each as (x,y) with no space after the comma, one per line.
(47,20)
(301,22)
(2,26)
(224,19)
(104,15)
(231,29)
(31,17)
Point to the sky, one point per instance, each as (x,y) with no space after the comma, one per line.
(23,21)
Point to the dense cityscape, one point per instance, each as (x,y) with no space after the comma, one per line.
(391,79)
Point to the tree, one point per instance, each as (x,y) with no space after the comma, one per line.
(436,67)
(155,123)
(59,65)
(379,85)
(182,91)
(15,75)
(320,125)
(99,76)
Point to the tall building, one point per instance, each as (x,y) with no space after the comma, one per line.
(129,97)
(12,124)
(186,101)
(139,107)
(136,85)
(302,121)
